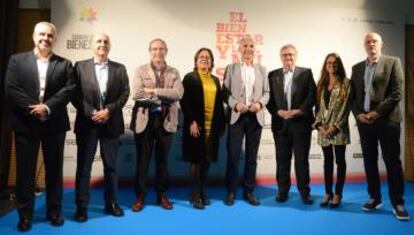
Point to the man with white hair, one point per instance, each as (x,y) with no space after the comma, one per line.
(292,97)
(39,85)
(247,93)
(102,89)
(377,85)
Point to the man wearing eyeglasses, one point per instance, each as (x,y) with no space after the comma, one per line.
(156,90)
(292,97)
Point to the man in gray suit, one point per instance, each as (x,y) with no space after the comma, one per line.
(247,93)
(377,85)
(102,91)
(157,88)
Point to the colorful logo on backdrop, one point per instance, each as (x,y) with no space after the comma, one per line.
(228,35)
(88,14)
(79,42)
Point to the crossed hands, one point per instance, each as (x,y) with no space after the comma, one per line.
(101,116)
(368,118)
(243,108)
(328,132)
(288,114)
(39,111)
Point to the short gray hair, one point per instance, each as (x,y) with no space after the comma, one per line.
(157,40)
(45,23)
(288,46)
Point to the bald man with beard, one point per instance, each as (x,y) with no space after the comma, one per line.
(102,90)
(377,83)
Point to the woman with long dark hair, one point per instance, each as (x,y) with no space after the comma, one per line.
(202,105)
(333,91)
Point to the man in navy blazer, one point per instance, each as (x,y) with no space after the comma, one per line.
(39,85)
(102,89)
(292,97)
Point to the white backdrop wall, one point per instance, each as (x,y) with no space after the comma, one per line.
(316,29)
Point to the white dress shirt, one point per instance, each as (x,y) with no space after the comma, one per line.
(248,77)
(101,71)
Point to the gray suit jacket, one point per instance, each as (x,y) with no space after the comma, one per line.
(235,90)
(386,89)
(144,77)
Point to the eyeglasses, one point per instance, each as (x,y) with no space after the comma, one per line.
(204,58)
(288,54)
(158,49)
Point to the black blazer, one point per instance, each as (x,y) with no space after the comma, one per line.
(87,97)
(192,105)
(23,89)
(303,96)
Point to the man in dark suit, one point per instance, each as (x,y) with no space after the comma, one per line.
(39,86)
(102,91)
(247,92)
(377,84)
(292,97)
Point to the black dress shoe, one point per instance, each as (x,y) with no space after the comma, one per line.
(114,209)
(55,219)
(251,199)
(281,197)
(205,199)
(197,203)
(307,199)
(81,214)
(25,224)
(229,201)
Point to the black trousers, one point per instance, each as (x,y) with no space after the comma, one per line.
(246,126)
(27,149)
(388,136)
(154,135)
(295,138)
(87,142)
(330,153)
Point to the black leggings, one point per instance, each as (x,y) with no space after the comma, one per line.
(198,173)
(328,166)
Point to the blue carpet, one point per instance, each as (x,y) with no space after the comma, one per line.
(292,217)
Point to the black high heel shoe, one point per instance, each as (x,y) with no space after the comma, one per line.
(325,201)
(336,201)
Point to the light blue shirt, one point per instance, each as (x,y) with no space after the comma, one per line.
(287,85)
(101,72)
(368,76)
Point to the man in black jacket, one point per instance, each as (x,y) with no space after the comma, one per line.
(39,85)
(292,97)
(102,90)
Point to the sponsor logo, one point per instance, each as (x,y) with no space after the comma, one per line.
(228,35)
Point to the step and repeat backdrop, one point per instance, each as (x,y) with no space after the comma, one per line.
(187,25)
